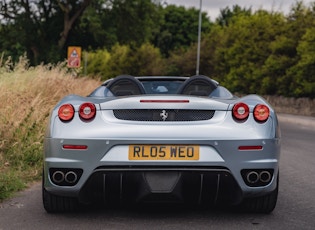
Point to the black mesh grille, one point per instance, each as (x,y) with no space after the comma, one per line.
(163,114)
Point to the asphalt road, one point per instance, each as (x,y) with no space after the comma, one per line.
(295,208)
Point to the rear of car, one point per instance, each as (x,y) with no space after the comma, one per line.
(167,141)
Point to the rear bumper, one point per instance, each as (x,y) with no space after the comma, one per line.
(107,174)
(202,186)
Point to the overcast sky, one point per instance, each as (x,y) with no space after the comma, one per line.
(212,7)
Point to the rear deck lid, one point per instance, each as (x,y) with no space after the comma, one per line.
(165,102)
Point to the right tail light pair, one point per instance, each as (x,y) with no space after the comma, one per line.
(240,112)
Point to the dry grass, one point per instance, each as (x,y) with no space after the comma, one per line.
(32,93)
(27,96)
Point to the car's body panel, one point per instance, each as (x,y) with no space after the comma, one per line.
(226,146)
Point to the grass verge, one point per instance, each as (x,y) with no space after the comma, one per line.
(27,95)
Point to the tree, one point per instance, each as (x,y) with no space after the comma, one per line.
(226,15)
(135,21)
(96,29)
(72,10)
(40,26)
(291,53)
(281,58)
(179,28)
(242,48)
(21,23)
(146,61)
(303,84)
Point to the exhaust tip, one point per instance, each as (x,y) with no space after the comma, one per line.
(65,176)
(58,177)
(252,177)
(71,177)
(257,177)
(265,176)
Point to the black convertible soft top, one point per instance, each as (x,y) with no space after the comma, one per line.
(127,85)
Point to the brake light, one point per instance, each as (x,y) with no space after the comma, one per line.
(240,111)
(261,113)
(87,111)
(75,147)
(66,112)
(250,147)
(164,101)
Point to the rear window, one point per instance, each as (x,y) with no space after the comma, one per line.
(161,86)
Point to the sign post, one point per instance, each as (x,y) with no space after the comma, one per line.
(74,56)
(199,38)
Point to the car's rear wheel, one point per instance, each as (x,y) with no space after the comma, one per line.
(262,204)
(53,203)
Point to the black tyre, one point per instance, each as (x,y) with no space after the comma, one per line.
(55,204)
(263,204)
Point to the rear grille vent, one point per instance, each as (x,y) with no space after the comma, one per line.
(163,114)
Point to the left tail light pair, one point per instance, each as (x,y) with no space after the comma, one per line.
(240,112)
(87,111)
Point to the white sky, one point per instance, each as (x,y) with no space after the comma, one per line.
(212,7)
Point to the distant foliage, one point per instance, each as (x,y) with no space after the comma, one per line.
(97,62)
(122,59)
(247,51)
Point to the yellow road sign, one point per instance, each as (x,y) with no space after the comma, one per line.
(74,56)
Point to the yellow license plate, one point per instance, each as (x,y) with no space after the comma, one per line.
(163,152)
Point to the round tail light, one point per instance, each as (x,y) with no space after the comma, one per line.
(87,111)
(66,112)
(261,113)
(240,111)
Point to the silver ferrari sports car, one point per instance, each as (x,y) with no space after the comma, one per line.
(154,139)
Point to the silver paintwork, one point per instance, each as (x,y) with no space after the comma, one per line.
(108,138)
